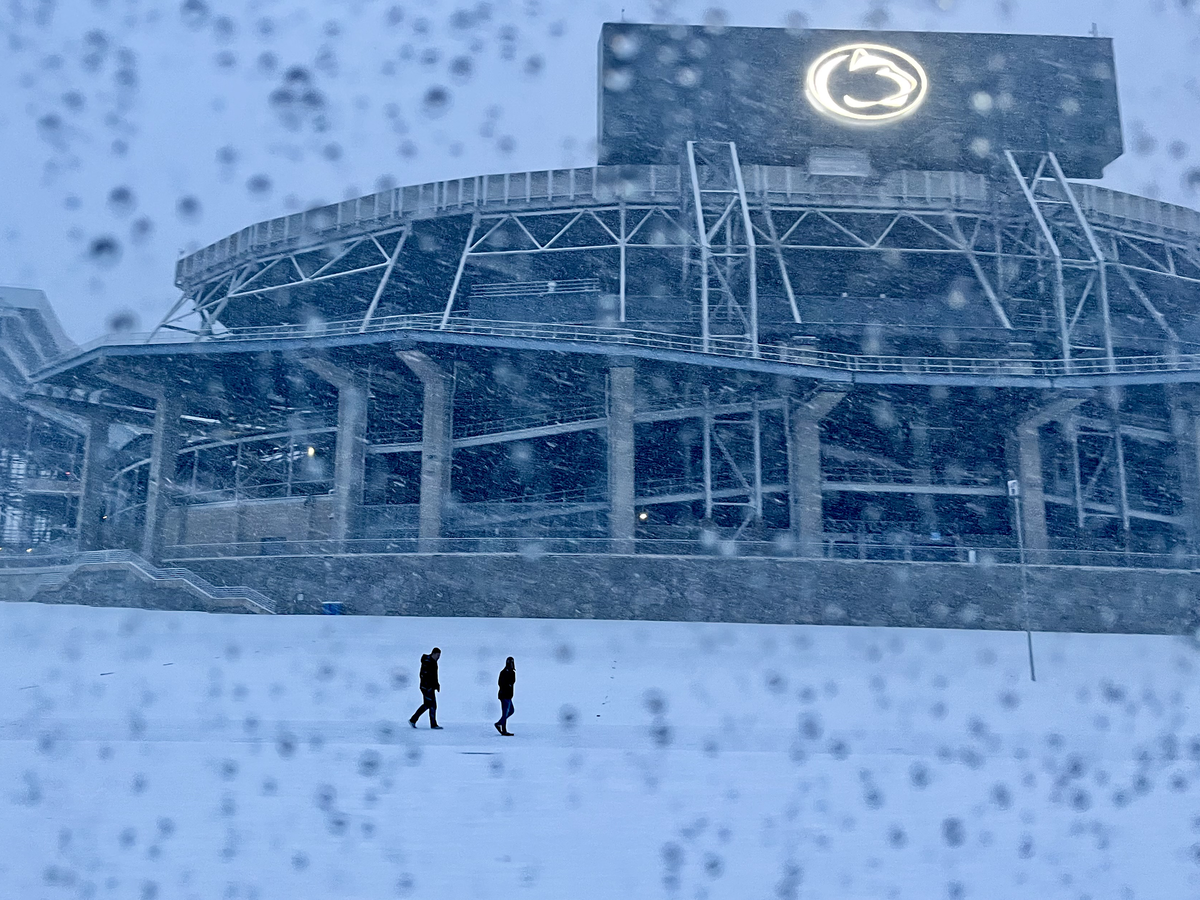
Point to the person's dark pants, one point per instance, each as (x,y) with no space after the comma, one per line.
(430,704)
(506,710)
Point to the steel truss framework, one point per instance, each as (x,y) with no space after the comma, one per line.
(1047,260)
(1042,264)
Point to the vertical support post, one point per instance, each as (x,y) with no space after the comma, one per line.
(1060,295)
(804,469)
(1122,475)
(1073,432)
(708,469)
(89,515)
(705,249)
(349,453)
(291,465)
(623,241)
(1185,426)
(1100,261)
(751,248)
(756,421)
(1032,519)
(164,447)
(458,274)
(349,458)
(621,513)
(784,275)
(437,435)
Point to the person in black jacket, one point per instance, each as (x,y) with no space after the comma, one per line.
(508,677)
(429,687)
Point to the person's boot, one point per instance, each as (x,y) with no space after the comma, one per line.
(433,724)
(498,728)
(412,722)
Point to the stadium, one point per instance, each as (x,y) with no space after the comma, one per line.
(840,337)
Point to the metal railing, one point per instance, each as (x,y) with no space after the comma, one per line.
(716,346)
(960,191)
(847,547)
(511,190)
(66,566)
(537,288)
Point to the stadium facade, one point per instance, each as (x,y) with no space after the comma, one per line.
(845,305)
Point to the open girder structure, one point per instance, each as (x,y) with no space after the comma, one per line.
(1073,271)
(748,299)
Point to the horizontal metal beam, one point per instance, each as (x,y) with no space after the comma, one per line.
(1110,510)
(864,487)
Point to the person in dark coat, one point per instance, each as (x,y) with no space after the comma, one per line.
(508,677)
(429,688)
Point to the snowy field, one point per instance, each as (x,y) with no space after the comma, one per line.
(178,755)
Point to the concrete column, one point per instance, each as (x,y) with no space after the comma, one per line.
(1187,453)
(164,448)
(804,468)
(349,459)
(89,514)
(1185,426)
(621,512)
(437,443)
(349,455)
(1033,492)
(1027,449)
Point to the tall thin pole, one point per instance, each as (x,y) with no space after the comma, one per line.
(1014,491)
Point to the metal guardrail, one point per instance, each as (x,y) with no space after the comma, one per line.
(537,288)
(717,346)
(506,191)
(656,184)
(70,564)
(831,547)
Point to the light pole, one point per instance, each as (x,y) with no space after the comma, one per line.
(1014,491)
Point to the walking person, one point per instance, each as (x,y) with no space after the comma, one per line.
(508,677)
(429,688)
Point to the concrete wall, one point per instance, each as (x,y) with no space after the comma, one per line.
(291,518)
(119,586)
(706,589)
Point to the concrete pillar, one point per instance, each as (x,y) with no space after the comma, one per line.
(349,455)
(90,512)
(164,448)
(1033,492)
(1027,449)
(437,443)
(1185,426)
(804,468)
(349,459)
(621,512)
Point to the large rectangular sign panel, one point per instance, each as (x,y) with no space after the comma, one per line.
(902,99)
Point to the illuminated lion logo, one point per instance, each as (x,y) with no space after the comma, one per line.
(900,81)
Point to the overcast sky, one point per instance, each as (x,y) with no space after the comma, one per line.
(132,130)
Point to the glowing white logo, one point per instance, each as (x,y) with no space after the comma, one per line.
(902,85)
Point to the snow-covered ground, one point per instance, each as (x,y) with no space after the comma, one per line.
(175,755)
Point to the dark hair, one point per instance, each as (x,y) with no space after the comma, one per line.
(435,650)
(510,663)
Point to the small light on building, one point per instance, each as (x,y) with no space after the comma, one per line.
(312,451)
(643,516)
(30,550)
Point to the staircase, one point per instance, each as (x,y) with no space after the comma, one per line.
(245,597)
